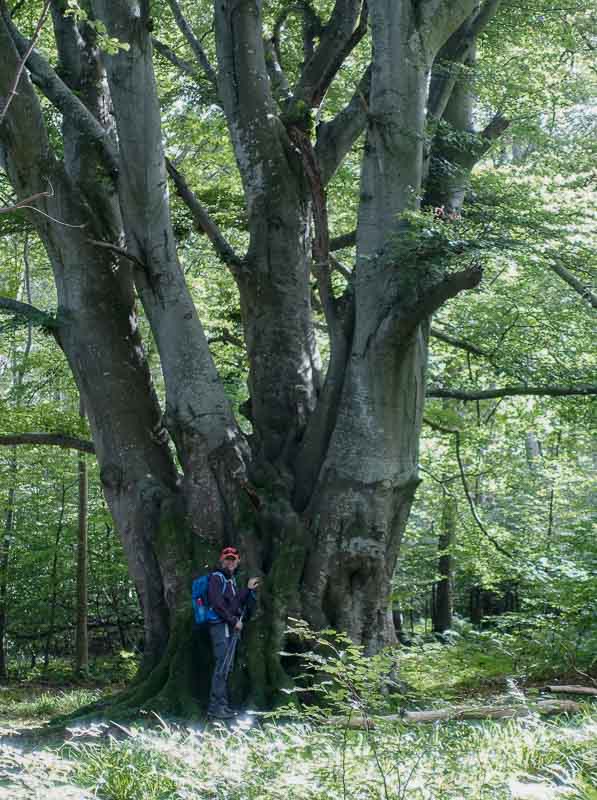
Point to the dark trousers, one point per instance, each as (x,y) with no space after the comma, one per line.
(218,697)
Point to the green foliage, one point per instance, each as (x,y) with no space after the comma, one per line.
(109,670)
(27,702)
(337,672)
(125,771)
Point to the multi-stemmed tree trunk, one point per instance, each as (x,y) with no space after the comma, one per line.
(319,495)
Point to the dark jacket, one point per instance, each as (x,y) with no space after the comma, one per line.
(224,598)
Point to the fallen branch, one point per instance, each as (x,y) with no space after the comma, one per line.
(572,690)
(543,707)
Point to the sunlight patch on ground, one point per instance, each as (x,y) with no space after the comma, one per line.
(37,774)
(537,791)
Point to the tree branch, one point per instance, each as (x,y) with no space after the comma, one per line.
(346,27)
(245,88)
(439,19)
(456,433)
(203,220)
(33,314)
(312,27)
(345,240)
(13,89)
(484,16)
(194,43)
(25,202)
(224,336)
(54,439)
(180,63)
(62,97)
(17,7)
(336,137)
(453,55)
(280,88)
(449,287)
(120,251)
(573,281)
(461,344)
(492,131)
(513,391)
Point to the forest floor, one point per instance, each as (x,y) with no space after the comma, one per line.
(297,757)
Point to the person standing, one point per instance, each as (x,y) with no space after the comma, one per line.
(225,619)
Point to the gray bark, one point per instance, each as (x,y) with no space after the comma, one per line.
(274,286)
(98,333)
(198,415)
(368,479)
(449,160)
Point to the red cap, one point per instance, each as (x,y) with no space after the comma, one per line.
(228,552)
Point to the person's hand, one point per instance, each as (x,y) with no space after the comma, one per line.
(239,626)
(253,583)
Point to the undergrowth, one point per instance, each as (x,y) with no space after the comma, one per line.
(26,703)
(310,752)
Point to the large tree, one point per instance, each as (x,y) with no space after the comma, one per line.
(319,493)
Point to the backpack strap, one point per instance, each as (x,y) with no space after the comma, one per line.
(226,580)
(221,574)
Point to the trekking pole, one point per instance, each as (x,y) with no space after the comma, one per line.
(228,659)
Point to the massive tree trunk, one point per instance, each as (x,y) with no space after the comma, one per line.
(320,494)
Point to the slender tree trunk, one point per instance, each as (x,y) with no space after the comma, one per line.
(443,597)
(4,564)
(53,581)
(81,637)
(552,497)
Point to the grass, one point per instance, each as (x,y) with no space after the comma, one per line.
(528,758)
(42,703)
(454,761)
(436,671)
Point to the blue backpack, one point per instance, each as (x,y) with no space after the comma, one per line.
(203,613)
